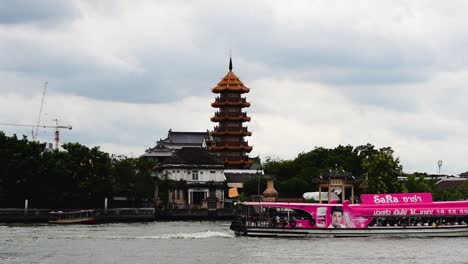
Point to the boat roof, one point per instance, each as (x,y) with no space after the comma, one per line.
(72,212)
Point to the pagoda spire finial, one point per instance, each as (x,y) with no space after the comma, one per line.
(230,61)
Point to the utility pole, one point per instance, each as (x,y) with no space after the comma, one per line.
(439,163)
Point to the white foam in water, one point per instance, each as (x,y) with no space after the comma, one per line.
(206,234)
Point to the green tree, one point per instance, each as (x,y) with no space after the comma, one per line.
(76,177)
(293,188)
(19,163)
(417,182)
(383,170)
(250,186)
(460,193)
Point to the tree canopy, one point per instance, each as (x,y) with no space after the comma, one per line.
(79,176)
(76,177)
(375,171)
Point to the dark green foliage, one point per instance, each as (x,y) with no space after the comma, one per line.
(382,170)
(78,177)
(251,186)
(460,193)
(376,167)
(293,187)
(417,182)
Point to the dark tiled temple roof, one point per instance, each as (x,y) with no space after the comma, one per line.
(193,156)
(257,163)
(450,184)
(177,140)
(186,137)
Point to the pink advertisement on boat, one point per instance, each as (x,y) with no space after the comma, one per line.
(396,198)
(338,217)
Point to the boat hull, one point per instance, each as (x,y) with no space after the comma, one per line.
(449,231)
(86,221)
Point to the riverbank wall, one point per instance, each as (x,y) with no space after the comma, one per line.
(32,215)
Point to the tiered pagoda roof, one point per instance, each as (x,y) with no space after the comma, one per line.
(229,134)
(230,83)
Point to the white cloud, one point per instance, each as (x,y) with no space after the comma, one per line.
(297,116)
(322,73)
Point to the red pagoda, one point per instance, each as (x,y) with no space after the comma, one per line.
(229,134)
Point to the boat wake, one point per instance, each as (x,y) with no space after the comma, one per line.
(197,235)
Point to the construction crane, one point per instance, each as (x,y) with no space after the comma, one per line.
(57,127)
(34,132)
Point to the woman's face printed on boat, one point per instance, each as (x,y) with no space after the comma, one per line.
(337,216)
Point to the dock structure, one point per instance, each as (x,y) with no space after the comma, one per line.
(118,215)
(32,215)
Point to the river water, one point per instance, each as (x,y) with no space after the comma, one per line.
(209,242)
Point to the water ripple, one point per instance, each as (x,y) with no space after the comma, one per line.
(198,235)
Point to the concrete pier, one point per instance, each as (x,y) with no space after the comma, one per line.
(34,215)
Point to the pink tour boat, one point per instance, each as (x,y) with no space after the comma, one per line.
(400,214)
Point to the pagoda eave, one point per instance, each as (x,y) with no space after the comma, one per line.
(230,89)
(230,118)
(221,104)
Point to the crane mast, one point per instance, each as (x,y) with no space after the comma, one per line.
(35,128)
(38,124)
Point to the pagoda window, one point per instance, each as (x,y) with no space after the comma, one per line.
(195,175)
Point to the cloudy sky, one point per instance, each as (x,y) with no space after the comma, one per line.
(321,73)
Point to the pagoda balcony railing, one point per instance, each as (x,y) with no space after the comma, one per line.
(239,117)
(231,103)
(230,129)
(237,132)
(242,114)
(233,100)
(232,143)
